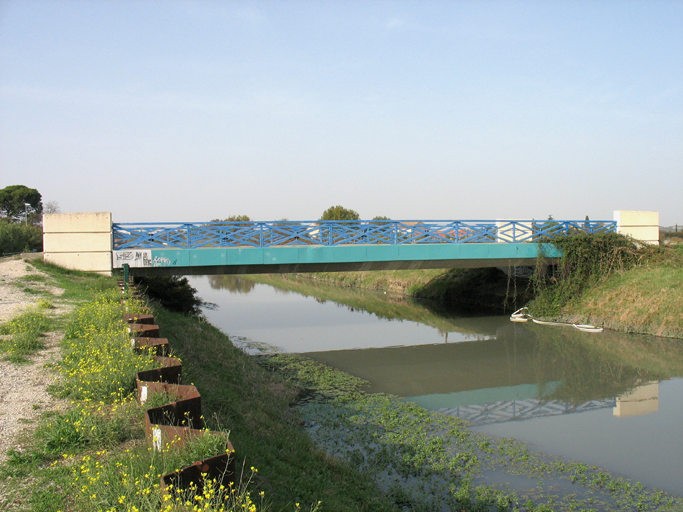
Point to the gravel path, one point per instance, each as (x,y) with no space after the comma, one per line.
(23,388)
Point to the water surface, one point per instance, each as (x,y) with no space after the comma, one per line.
(608,399)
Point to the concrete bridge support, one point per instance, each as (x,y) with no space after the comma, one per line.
(79,241)
(642,226)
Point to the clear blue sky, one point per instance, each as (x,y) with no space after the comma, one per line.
(189,111)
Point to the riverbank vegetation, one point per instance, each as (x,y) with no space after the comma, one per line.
(21,211)
(609,280)
(16,237)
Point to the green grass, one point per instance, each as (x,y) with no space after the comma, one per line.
(122,479)
(33,278)
(646,299)
(24,334)
(98,363)
(78,286)
(91,454)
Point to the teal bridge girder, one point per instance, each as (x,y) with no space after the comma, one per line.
(327,246)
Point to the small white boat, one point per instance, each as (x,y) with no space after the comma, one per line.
(520,315)
(518,319)
(542,322)
(588,328)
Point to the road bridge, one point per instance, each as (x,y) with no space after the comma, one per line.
(329,246)
(91,241)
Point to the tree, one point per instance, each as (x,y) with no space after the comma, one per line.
(381,217)
(339,213)
(13,201)
(51,207)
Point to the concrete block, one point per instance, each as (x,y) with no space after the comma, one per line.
(640,225)
(77,242)
(99,262)
(93,222)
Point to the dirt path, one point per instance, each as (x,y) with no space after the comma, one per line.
(23,387)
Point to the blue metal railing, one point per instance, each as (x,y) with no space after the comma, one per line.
(196,235)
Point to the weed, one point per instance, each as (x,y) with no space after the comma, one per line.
(86,424)
(24,334)
(98,362)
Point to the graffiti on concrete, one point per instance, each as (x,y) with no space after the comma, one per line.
(140,258)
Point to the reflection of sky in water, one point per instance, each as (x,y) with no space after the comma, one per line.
(302,324)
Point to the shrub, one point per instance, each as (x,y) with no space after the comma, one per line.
(15,238)
(586,259)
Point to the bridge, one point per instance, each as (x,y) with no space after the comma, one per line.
(91,241)
(329,246)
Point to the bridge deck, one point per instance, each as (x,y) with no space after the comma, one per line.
(326,246)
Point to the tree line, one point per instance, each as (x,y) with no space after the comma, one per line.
(332,213)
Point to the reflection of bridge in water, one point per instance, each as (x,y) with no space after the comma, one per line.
(510,378)
(515,410)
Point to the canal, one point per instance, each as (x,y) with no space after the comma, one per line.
(609,399)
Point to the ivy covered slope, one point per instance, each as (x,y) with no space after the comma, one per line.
(610,281)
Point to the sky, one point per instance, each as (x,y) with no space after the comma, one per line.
(188,111)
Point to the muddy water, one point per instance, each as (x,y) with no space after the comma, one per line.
(608,399)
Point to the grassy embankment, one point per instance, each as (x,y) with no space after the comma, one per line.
(646,299)
(608,281)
